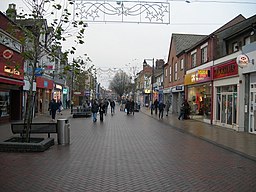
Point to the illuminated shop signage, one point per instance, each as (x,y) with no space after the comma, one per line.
(147,91)
(65,91)
(199,76)
(58,86)
(203,73)
(11,70)
(225,70)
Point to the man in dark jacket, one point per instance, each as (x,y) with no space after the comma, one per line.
(112,105)
(53,108)
(156,103)
(161,107)
(95,109)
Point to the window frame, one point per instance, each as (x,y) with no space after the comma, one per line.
(193,59)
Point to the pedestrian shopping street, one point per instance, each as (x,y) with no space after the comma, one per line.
(129,153)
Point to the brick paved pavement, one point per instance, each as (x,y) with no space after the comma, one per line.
(127,153)
(238,142)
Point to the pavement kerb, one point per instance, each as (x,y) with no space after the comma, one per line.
(183,130)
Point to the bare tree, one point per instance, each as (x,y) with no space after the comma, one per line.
(121,83)
(43,40)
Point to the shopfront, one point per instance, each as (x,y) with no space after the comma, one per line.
(146,97)
(199,94)
(226,82)
(178,97)
(11,82)
(43,94)
(57,92)
(167,95)
(252,105)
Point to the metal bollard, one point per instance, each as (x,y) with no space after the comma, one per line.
(63,128)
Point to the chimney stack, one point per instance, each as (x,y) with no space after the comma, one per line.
(11,12)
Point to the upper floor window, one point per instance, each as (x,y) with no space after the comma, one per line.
(176,72)
(170,77)
(193,59)
(247,40)
(235,47)
(181,64)
(204,54)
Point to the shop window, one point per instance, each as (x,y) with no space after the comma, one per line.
(4,103)
(199,98)
(218,107)
(234,108)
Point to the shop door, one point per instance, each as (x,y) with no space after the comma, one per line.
(227,109)
(253,113)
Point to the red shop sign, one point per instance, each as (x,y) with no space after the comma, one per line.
(225,70)
(7,54)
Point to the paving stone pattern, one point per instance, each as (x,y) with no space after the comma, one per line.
(127,153)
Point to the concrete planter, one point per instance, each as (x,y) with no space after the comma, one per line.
(15,144)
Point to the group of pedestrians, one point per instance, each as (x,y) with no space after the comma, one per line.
(129,106)
(159,106)
(184,110)
(101,107)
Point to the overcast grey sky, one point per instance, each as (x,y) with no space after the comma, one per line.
(125,45)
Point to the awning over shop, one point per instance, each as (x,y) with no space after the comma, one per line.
(11,81)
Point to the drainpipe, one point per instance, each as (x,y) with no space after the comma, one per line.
(212,89)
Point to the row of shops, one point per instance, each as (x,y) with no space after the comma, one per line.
(14,85)
(13,97)
(220,93)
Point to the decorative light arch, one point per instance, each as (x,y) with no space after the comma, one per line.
(122,11)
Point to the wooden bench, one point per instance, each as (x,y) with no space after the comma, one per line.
(81,112)
(36,128)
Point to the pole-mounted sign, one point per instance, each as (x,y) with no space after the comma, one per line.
(242,60)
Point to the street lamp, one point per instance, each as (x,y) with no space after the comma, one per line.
(152,81)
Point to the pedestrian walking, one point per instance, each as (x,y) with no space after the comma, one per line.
(102,108)
(49,107)
(156,103)
(187,109)
(167,107)
(127,106)
(184,110)
(112,106)
(151,104)
(53,108)
(94,109)
(161,107)
(132,104)
(106,103)
(60,107)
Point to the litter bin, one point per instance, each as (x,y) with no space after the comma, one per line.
(63,128)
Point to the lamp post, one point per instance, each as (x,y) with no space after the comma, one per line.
(152,82)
